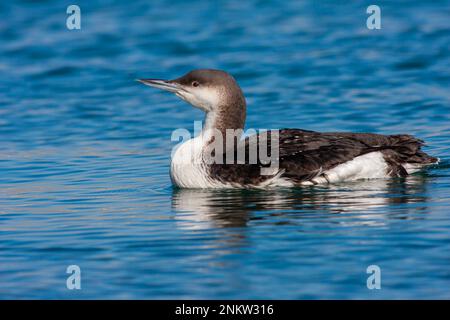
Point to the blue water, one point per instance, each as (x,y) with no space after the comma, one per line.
(85,150)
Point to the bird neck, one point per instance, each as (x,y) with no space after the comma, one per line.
(222,130)
(225,118)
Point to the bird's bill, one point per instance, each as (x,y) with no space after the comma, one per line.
(166,85)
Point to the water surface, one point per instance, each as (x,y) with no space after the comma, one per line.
(85,150)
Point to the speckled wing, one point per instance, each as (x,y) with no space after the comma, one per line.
(304,155)
(307,154)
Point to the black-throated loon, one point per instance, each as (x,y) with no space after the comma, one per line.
(304,157)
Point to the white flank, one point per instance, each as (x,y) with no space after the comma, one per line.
(369,166)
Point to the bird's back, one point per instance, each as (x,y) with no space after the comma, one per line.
(308,157)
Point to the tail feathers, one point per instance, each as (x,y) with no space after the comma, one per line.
(421,158)
(405,155)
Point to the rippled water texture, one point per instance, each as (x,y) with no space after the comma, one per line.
(84,150)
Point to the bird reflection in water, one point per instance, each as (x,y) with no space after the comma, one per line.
(366,203)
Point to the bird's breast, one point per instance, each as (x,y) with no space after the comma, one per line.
(188,168)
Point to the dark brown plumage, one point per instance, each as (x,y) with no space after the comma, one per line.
(304,155)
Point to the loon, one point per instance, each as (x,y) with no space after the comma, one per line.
(304,157)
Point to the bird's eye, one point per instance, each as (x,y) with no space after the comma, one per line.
(195,84)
